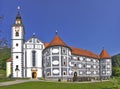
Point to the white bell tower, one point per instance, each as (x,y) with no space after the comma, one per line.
(17,40)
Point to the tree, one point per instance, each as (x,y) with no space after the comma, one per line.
(116,60)
(116,65)
(116,71)
(4,50)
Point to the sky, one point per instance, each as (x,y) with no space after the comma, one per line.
(86,24)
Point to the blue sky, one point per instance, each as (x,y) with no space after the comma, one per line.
(86,24)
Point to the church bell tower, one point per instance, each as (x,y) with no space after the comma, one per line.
(17,40)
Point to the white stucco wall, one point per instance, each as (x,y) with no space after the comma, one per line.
(8,69)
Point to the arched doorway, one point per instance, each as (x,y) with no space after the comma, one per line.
(75,77)
(34,75)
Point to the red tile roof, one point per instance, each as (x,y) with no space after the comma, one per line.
(46,44)
(9,60)
(104,54)
(78,51)
(56,41)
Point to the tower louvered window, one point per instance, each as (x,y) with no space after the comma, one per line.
(17,33)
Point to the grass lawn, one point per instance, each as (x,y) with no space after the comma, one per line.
(3,76)
(57,85)
(6,79)
(2,73)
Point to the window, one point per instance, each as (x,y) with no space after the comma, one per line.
(75,65)
(84,65)
(64,73)
(17,33)
(48,74)
(64,63)
(33,40)
(16,68)
(63,50)
(103,66)
(84,59)
(33,57)
(16,44)
(47,64)
(17,57)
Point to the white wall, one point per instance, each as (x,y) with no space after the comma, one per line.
(8,69)
(28,48)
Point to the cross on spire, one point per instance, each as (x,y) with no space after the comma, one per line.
(33,34)
(18,8)
(56,32)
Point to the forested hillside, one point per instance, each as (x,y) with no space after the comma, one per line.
(4,55)
(116,60)
(116,65)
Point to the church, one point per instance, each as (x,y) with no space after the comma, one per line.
(54,60)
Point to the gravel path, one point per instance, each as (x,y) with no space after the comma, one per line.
(31,80)
(16,82)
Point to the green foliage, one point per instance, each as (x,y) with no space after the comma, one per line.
(60,85)
(116,82)
(6,79)
(5,53)
(116,65)
(115,71)
(116,60)
(2,74)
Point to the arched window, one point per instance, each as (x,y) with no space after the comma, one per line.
(17,33)
(33,58)
(16,44)
(75,73)
(16,69)
(64,73)
(64,63)
(16,57)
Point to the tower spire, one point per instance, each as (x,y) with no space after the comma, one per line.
(18,17)
(18,8)
(18,14)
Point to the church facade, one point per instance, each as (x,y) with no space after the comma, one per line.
(54,60)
